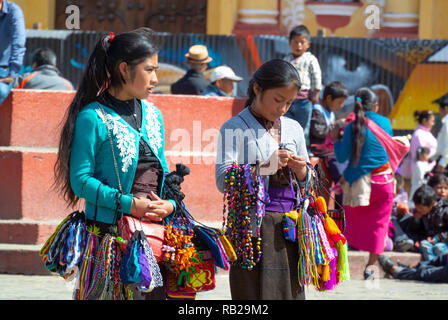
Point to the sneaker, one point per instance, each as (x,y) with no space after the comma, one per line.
(404,245)
(370,273)
(386,264)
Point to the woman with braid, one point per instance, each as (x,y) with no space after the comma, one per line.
(368,187)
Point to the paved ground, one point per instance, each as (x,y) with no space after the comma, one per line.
(21,287)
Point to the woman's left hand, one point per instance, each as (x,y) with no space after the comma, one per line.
(159,207)
(335,133)
(298,165)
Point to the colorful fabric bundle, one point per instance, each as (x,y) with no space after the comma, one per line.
(139,265)
(307,267)
(227,246)
(199,280)
(191,270)
(289,222)
(209,240)
(181,256)
(64,249)
(338,216)
(323,260)
(174,291)
(84,278)
(99,277)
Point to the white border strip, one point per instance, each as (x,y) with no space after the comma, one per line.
(396,24)
(333,10)
(401,15)
(257,11)
(258,20)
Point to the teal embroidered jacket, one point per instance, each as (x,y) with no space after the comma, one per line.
(91,160)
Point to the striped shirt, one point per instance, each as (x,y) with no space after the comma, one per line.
(308,69)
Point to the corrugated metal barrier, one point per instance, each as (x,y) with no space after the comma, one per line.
(386,64)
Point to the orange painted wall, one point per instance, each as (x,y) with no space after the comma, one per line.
(32,119)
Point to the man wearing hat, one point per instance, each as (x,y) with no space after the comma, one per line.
(222,82)
(193,82)
(442,138)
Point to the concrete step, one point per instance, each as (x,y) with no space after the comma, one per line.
(25,259)
(26,186)
(34,232)
(21,259)
(358,259)
(33,118)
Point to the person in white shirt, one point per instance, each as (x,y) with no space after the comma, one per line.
(442,138)
(421,168)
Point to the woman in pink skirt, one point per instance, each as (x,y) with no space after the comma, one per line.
(369,187)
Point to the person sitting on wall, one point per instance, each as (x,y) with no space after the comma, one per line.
(193,82)
(45,75)
(222,82)
(12,45)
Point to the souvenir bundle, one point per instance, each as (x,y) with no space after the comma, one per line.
(64,249)
(107,262)
(243,193)
(322,247)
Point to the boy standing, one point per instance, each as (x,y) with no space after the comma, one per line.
(323,115)
(310,77)
(323,119)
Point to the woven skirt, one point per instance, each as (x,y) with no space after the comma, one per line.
(275,277)
(367,225)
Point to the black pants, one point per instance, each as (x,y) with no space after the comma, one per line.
(399,233)
(435,270)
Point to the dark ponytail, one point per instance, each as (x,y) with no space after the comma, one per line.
(365,100)
(272,74)
(101,73)
(423,115)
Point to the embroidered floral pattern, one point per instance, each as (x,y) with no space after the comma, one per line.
(125,138)
(153,128)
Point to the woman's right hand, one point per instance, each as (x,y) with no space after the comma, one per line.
(140,208)
(277,160)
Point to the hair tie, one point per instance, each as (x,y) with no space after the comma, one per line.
(111,37)
(359,99)
(431,174)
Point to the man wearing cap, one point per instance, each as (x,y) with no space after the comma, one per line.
(442,138)
(193,82)
(222,80)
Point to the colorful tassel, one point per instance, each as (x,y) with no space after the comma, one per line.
(330,226)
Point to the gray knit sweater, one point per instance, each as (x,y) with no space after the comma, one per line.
(243,139)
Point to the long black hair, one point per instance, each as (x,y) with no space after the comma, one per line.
(275,73)
(365,100)
(101,73)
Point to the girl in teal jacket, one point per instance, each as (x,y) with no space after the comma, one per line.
(109,111)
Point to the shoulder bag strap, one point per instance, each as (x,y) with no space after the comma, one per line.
(115,162)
